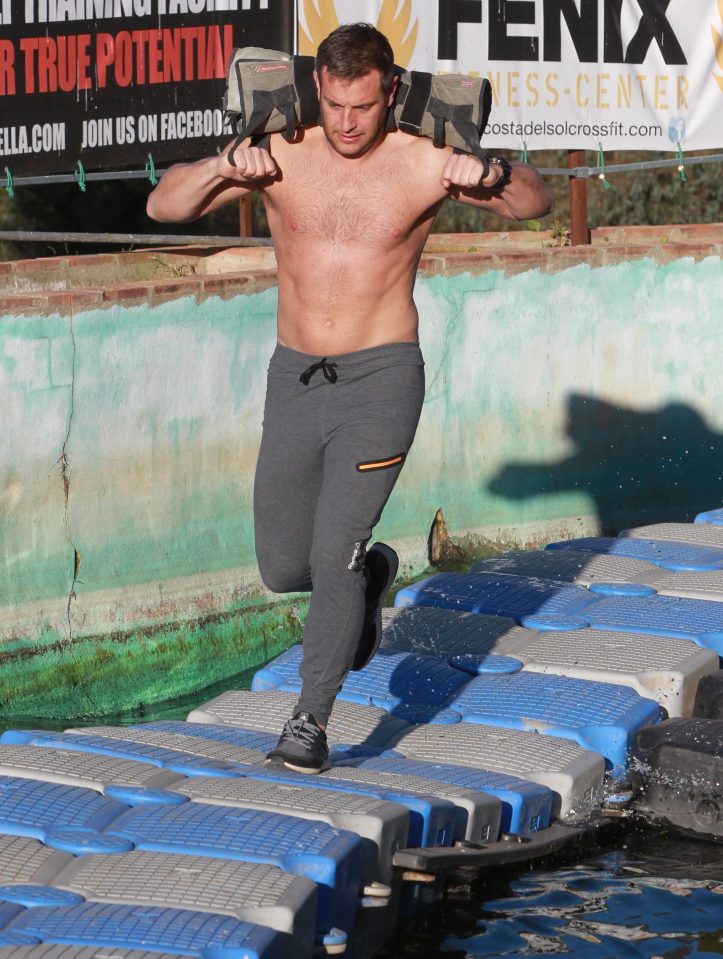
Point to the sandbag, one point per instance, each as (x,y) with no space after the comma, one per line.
(269,92)
(272,92)
(450,109)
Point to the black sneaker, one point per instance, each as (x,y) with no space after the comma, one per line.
(382,564)
(301,746)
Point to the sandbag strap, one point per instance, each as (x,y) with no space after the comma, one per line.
(234,148)
(485,106)
(415,101)
(306,91)
(460,118)
(265,102)
(470,134)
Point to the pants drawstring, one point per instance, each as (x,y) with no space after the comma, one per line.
(328,369)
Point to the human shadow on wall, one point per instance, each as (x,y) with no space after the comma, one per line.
(638,467)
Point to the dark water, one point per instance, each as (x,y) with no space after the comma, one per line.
(647,892)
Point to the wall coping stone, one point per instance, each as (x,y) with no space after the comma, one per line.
(72,284)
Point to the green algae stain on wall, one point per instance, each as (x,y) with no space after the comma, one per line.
(133,670)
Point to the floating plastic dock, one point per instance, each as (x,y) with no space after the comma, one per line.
(525,807)
(595,715)
(509,712)
(398,679)
(545,605)
(669,554)
(122,746)
(708,702)
(574,775)
(714,516)
(50,951)
(667,671)
(349,723)
(249,892)
(677,769)
(586,569)
(698,534)
(433,821)
(141,927)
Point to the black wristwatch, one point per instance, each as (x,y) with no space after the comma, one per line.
(506,171)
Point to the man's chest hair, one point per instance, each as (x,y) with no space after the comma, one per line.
(377,201)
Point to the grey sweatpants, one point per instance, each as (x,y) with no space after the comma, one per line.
(331,452)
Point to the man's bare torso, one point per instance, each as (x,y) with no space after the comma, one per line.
(348,236)
(349,209)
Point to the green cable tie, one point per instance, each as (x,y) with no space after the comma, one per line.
(80,174)
(681,165)
(151,171)
(601,164)
(523,156)
(9,184)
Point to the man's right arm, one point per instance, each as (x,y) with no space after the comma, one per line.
(190,190)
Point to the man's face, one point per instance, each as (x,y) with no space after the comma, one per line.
(353,113)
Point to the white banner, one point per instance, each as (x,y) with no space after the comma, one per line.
(566,74)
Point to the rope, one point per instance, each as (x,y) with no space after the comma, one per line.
(601,164)
(581,171)
(80,176)
(151,171)
(681,165)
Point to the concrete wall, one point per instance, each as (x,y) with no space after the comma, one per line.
(567,391)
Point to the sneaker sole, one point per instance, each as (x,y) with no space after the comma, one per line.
(308,770)
(274,762)
(366,649)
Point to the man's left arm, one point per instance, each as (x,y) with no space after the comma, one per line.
(513,190)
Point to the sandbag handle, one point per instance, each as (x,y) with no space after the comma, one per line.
(265,101)
(460,119)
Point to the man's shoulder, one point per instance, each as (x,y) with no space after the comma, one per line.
(304,139)
(419,154)
(422,148)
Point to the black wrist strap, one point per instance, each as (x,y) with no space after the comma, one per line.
(506,171)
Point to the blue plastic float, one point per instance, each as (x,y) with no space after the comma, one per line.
(714,516)
(679,557)
(526,806)
(545,605)
(204,935)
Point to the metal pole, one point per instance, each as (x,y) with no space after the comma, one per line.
(245,218)
(579,232)
(132,239)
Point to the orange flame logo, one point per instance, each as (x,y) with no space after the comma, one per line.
(393,21)
(718,44)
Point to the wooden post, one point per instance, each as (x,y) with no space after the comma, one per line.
(245,222)
(579,232)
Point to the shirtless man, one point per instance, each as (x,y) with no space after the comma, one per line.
(349,207)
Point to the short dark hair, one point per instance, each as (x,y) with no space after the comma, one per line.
(355,49)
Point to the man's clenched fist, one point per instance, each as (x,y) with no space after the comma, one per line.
(464,170)
(248,163)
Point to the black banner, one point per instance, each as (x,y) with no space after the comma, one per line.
(107,82)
